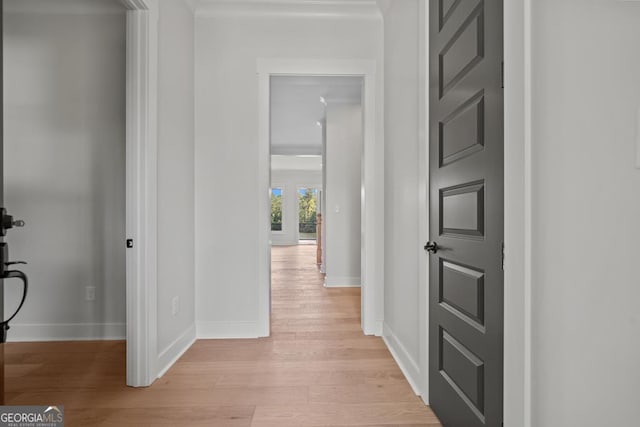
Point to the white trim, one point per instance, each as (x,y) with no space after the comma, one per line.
(141,215)
(517,210)
(372,198)
(264,207)
(528,212)
(228,330)
(385,6)
(23,332)
(423,198)
(169,356)
(63,7)
(378,328)
(341,282)
(359,9)
(407,364)
(638,137)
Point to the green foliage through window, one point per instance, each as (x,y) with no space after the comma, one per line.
(307,208)
(276,209)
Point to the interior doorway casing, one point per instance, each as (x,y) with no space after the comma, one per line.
(141,190)
(372,198)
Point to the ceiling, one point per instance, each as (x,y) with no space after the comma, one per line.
(296,163)
(297,111)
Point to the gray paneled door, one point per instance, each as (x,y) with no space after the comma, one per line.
(466,198)
(1,197)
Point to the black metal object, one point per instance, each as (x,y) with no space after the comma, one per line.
(431,247)
(7,222)
(11,274)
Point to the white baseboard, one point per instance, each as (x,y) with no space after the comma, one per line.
(227,330)
(175,350)
(407,365)
(341,282)
(373,330)
(23,332)
(379,328)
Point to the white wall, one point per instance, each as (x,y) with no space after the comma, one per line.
(227,195)
(64,171)
(290,181)
(586,213)
(343,166)
(176,211)
(402,246)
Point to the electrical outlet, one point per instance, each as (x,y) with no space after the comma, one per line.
(90,293)
(175,306)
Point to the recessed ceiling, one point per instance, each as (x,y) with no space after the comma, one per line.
(297,110)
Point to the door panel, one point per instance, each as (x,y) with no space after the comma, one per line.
(1,193)
(466,199)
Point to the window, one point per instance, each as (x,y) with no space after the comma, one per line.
(276,209)
(307,210)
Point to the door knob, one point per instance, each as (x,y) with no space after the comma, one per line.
(7,222)
(431,247)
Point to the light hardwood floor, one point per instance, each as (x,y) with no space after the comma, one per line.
(317,369)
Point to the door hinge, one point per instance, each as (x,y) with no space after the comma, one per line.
(502,256)
(502,74)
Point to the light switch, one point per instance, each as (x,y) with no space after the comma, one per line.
(337,209)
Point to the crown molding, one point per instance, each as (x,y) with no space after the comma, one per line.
(135,4)
(353,9)
(63,7)
(384,5)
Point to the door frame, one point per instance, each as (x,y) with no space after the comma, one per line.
(518,96)
(141,190)
(517,209)
(372,201)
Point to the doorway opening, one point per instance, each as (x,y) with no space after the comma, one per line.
(65,168)
(136,36)
(370,193)
(316,149)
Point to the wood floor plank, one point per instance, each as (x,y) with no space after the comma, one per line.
(361,393)
(229,416)
(316,369)
(343,415)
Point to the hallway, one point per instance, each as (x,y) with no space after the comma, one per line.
(317,369)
